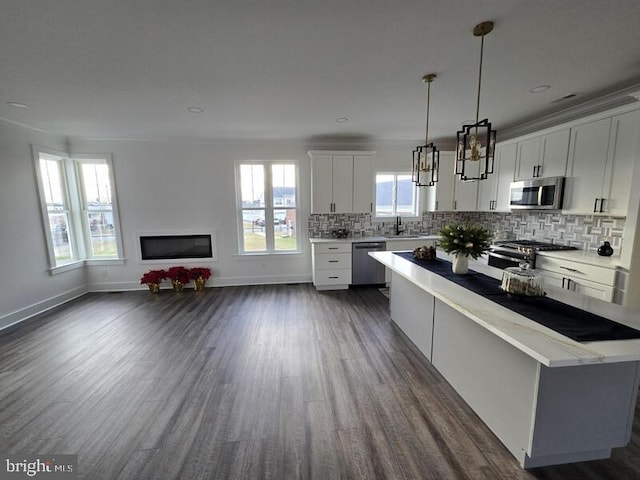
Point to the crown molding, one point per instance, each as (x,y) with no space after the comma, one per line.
(610,101)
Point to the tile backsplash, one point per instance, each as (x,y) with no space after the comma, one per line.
(586,232)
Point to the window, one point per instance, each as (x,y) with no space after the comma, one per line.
(396,194)
(267,207)
(79,209)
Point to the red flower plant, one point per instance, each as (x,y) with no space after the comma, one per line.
(178,274)
(197,272)
(153,276)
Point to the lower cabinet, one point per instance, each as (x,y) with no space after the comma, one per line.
(591,280)
(407,299)
(331,265)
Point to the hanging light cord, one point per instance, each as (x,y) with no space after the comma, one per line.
(479,79)
(426,133)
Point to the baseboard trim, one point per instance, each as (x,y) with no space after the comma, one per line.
(25,313)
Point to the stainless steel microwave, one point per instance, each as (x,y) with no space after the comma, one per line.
(537,194)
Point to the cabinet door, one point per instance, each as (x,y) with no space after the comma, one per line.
(528,159)
(586,169)
(506,156)
(440,196)
(321,182)
(623,154)
(578,285)
(466,195)
(343,183)
(488,189)
(555,151)
(363,184)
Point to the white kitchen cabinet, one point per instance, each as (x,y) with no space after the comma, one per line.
(407,299)
(493,193)
(623,155)
(331,265)
(335,188)
(440,196)
(543,156)
(363,183)
(465,195)
(587,166)
(591,280)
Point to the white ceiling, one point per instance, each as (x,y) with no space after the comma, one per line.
(286,69)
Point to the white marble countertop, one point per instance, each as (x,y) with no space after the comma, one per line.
(379,238)
(545,345)
(583,256)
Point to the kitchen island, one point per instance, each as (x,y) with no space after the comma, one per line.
(548,398)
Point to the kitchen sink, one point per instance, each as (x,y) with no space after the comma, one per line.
(390,237)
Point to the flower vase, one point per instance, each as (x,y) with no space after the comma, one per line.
(198,284)
(153,287)
(460,264)
(177,285)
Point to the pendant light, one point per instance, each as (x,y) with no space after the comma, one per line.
(476,142)
(426,158)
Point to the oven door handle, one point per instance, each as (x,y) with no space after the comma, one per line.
(506,257)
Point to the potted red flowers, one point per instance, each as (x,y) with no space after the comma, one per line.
(199,275)
(153,278)
(179,276)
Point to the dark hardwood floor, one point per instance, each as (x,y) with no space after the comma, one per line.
(258,382)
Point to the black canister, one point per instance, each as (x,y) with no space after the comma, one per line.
(605,250)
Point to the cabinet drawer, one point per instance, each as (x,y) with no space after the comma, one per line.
(576,270)
(579,285)
(332,277)
(332,261)
(332,248)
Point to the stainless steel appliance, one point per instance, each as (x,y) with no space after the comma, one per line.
(364,269)
(511,253)
(537,194)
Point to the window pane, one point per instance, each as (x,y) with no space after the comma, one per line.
(253,226)
(384,194)
(103,236)
(59,225)
(252,185)
(405,196)
(284,222)
(284,185)
(52,184)
(97,185)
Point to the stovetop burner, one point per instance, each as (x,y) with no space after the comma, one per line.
(532,245)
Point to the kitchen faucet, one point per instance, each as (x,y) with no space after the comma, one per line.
(398,223)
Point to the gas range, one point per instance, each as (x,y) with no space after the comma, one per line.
(511,253)
(532,245)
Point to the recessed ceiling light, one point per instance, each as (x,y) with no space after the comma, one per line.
(195,110)
(540,88)
(342,120)
(18,104)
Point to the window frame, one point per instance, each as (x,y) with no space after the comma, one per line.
(97,159)
(72,190)
(268,208)
(418,194)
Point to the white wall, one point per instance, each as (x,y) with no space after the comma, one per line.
(163,186)
(26,284)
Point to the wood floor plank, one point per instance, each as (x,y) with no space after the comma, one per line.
(272,381)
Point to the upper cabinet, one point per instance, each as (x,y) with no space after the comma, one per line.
(493,193)
(341,181)
(601,162)
(440,196)
(543,156)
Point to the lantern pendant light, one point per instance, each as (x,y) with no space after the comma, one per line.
(476,142)
(426,158)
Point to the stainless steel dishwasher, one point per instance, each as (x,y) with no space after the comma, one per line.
(364,269)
